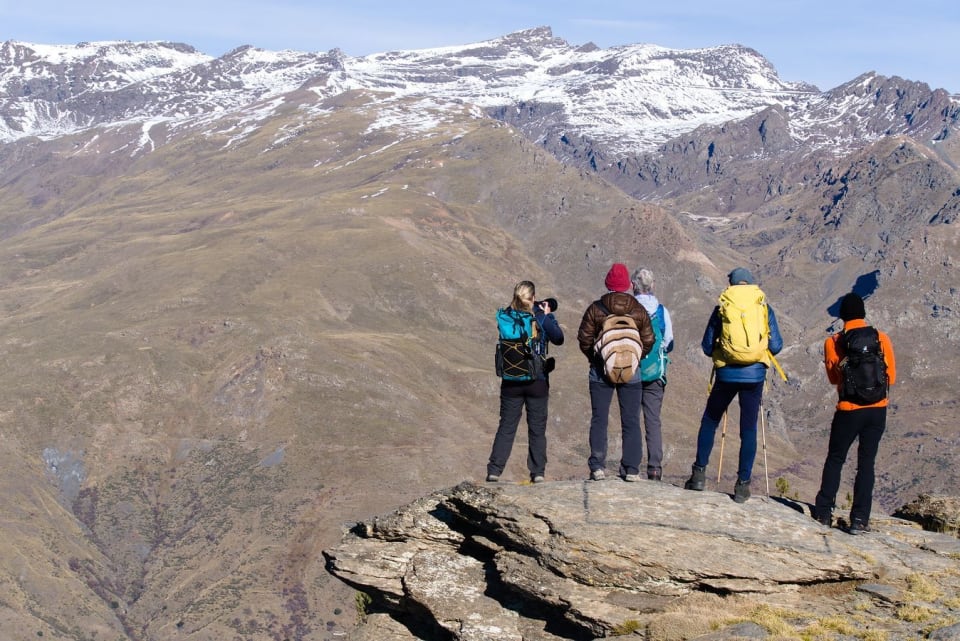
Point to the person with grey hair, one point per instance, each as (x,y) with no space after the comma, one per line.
(653,369)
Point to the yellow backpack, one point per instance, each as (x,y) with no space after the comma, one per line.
(744,327)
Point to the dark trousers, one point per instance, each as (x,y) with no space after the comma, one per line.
(868,425)
(513,398)
(651,403)
(629,396)
(721,395)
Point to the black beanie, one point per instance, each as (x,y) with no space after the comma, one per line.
(851,307)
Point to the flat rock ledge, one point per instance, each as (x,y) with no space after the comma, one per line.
(584,560)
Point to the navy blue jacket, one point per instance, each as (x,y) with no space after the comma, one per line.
(551,329)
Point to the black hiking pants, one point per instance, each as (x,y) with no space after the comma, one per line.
(534,396)
(867,425)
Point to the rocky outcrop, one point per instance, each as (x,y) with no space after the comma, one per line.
(583,560)
(934,512)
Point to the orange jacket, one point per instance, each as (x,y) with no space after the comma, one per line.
(832,358)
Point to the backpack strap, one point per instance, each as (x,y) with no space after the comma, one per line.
(776,366)
(542,341)
(660,319)
(773,359)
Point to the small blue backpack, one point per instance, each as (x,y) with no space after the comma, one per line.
(518,356)
(653,367)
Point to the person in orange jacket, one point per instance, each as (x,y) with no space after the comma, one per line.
(858,415)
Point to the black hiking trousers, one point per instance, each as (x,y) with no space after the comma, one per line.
(513,398)
(867,425)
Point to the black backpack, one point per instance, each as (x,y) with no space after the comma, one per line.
(863,372)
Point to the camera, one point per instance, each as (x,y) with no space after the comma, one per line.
(552,302)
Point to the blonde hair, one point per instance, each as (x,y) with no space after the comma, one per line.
(523,296)
(642,281)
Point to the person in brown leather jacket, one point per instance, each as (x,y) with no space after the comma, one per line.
(617,300)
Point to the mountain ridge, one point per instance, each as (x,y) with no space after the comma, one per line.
(607,109)
(240,313)
(255,73)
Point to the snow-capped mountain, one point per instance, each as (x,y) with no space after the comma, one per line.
(627,99)
(714,129)
(49,91)
(630,97)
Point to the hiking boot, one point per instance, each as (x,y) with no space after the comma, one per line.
(823,518)
(492,478)
(654,473)
(597,475)
(741,491)
(858,527)
(631,478)
(536,478)
(697,480)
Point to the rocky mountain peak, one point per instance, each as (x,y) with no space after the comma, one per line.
(626,97)
(536,35)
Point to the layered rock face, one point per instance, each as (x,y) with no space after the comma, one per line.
(584,560)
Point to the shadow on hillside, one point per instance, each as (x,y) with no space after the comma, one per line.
(864,287)
(802,508)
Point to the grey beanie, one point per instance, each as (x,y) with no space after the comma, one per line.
(741,275)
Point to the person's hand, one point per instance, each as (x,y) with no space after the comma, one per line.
(545,306)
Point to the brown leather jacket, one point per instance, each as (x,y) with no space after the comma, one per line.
(616,303)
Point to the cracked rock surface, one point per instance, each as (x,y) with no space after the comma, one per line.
(585,560)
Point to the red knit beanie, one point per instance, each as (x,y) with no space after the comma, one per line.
(618,278)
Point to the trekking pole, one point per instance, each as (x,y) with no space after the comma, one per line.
(763,435)
(723,437)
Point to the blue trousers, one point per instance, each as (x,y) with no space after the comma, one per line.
(750,395)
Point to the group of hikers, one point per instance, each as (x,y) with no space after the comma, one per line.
(626,335)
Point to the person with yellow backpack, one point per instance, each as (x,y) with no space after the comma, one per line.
(742,337)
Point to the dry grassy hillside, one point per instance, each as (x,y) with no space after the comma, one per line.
(221,349)
(222,345)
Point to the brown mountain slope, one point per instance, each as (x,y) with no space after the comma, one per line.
(880,221)
(221,350)
(223,344)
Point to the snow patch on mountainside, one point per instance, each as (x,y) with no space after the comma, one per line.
(628,99)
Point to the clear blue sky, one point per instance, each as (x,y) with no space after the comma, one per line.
(826,43)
